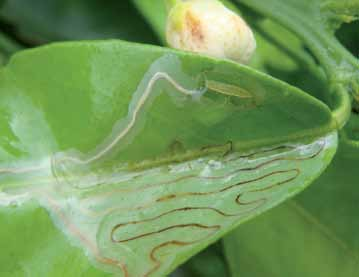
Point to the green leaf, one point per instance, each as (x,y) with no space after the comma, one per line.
(341,76)
(155,13)
(350,137)
(353,127)
(312,235)
(282,55)
(143,156)
(7,48)
(209,263)
(33,246)
(346,34)
(43,21)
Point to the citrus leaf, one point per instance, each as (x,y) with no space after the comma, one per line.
(143,156)
(7,48)
(209,263)
(43,21)
(307,236)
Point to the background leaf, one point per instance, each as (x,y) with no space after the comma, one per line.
(42,21)
(209,263)
(314,234)
(7,48)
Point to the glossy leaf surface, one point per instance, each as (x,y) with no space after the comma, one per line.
(143,156)
(314,234)
(274,245)
(313,24)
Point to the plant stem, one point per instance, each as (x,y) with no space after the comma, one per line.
(342,106)
(340,66)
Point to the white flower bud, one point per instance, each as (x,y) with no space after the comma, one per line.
(208,27)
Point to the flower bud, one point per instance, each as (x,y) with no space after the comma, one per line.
(208,27)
